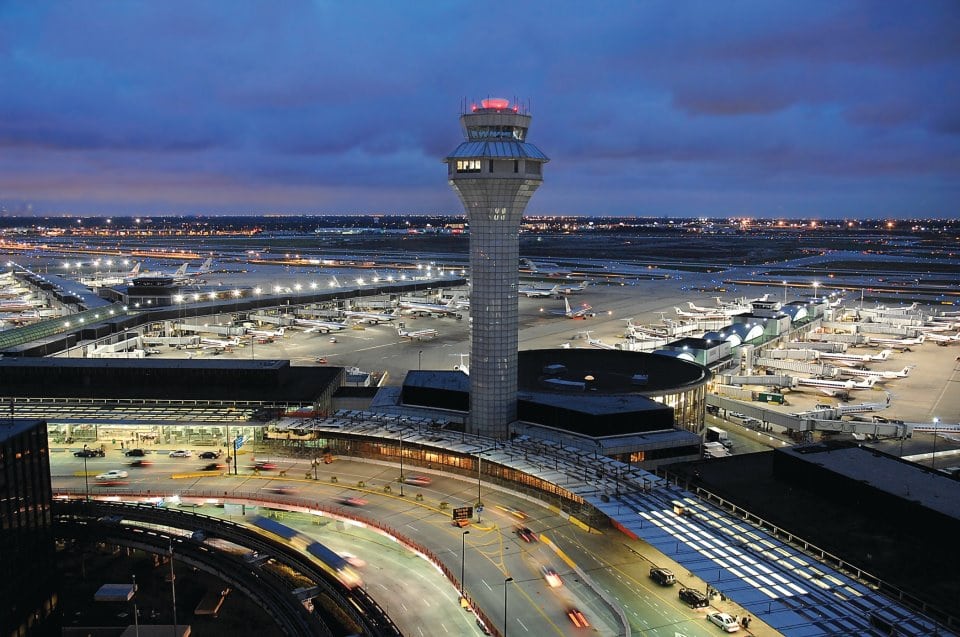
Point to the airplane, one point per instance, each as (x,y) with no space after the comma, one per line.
(534,291)
(216,343)
(834,387)
(420,335)
(580,313)
(944,339)
(596,342)
(857,358)
(181,274)
(266,333)
(880,376)
(451,308)
(314,325)
(641,332)
(897,342)
(547,269)
(462,367)
(111,278)
(373,318)
(729,310)
(700,315)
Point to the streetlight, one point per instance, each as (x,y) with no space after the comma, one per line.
(419,360)
(816,284)
(505,582)
(933,460)
(479,506)
(136,619)
(86,478)
(401,464)
(463,553)
(784,291)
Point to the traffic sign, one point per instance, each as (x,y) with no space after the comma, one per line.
(238,442)
(462,513)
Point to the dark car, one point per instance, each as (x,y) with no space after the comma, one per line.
(213,466)
(138,453)
(209,455)
(693,598)
(141,463)
(89,453)
(526,534)
(662,576)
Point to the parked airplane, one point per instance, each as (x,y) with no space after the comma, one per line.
(546,269)
(420,335)
(857,358)
(880,376)
(216,343)
(729,310)
(539,292)
(596,342)
(181,274)
(462,367)
(700,315)
(581,312)
(111,278)
(314,325)
(834,387)
(897,342)
(451,308)
(373,318)
(266,333)
(944,339)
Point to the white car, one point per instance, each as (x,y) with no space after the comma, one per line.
(552,577)
(724,621)
(115,474)
(181,453)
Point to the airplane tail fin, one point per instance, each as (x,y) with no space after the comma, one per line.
(181,270)
(334,283)
(206,267)
(136,269)
(883,355)
(566,304)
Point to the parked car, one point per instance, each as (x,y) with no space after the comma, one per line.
(114,474)
(662,576)
(724,621)
(210,455)
(693,598)
(89,453)
(137,453)
(181,453)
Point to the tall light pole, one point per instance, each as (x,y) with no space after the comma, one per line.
(816,284)
(479,506)
(933,460)
(401,464)
(86,477)
(420,360)
(173,591)
(136,619)
(463,560)
(505,582)
(784,291)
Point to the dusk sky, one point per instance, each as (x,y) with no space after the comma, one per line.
(761,108)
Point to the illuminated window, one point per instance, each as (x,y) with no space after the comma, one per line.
(468,165)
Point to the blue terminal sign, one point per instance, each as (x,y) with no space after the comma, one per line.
(238,442)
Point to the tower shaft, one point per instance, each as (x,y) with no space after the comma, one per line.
(495,172)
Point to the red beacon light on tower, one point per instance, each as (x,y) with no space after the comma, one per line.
(496,103)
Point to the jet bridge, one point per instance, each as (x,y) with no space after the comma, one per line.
(814,369)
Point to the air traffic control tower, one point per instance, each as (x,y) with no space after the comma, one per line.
(495,172)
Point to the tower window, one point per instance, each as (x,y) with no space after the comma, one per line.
(468,166)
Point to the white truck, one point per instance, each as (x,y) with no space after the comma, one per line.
(715,434)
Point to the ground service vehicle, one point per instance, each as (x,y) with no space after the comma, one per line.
(662,576)
(693,598)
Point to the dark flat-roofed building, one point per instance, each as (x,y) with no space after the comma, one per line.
(29,604)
